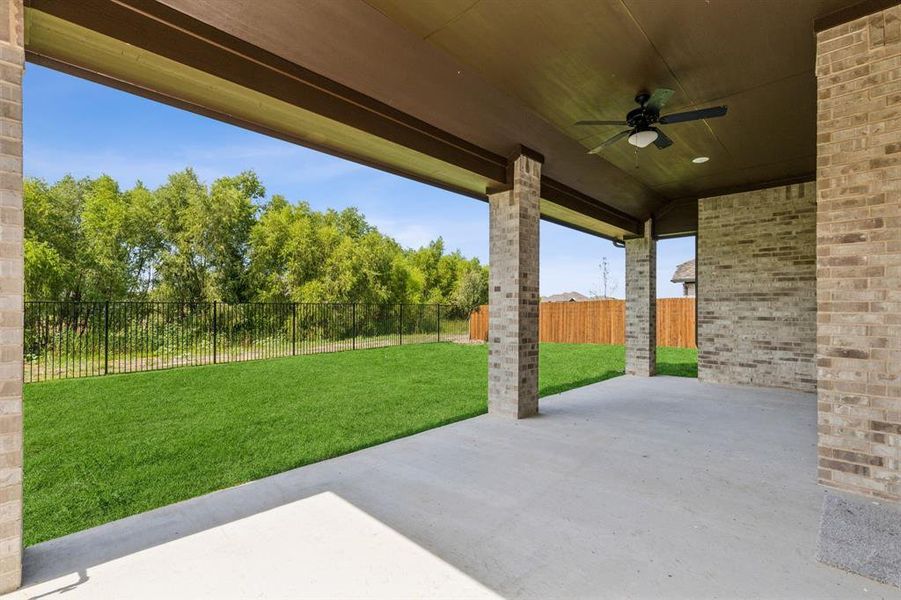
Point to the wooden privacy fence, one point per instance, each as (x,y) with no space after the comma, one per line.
(601,322)
(676,322)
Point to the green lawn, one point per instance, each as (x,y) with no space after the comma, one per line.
(99,449)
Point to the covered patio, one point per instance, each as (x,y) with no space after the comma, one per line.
(633,487)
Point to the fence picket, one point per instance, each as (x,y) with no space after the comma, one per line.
(106,338)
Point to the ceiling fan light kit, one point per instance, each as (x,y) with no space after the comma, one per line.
(641,121)
(643,139)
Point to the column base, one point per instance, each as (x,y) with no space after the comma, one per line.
(862,536)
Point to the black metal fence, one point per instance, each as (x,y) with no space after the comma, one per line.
(82,339)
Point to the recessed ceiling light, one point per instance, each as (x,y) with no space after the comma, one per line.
(700,159)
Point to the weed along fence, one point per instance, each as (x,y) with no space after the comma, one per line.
(81,339)
(601,322)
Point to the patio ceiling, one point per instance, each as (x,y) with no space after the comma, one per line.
(443,91)
(586,60)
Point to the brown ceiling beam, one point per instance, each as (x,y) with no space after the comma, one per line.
(76,71)
(565,196)
(575,227)
(677,218)
(159,29)
(757,185)
(851,13)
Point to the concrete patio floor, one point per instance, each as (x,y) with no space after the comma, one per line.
(629,488)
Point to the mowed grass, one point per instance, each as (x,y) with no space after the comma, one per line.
(99,449)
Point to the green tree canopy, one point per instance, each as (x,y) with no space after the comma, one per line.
(90,240)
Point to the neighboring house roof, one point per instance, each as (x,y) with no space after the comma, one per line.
(566,297)
(685,273)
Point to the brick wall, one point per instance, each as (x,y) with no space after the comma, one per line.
(513,293)
(12,59)
(757,288)
(641,305)
(859,254)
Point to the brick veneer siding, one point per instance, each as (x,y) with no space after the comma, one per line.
(641,305)
(513,294)
(859,254)
(12,60)
(757,288)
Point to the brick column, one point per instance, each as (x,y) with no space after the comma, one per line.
(513,292)
(12,61)
(641,304)
(859,254)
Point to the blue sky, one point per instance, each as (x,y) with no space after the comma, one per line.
(78,127)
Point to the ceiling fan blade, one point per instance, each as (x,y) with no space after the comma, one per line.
(694,115)
(610,141)
(601,123)
(662,140)
(659,99)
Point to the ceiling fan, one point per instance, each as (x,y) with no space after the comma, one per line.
(641,120)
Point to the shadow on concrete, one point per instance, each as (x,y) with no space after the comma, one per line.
(82,578)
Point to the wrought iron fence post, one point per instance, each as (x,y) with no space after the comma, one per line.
(106,337)
(353,326)
(401,324)
(215,327)
(293,328)
(439,322)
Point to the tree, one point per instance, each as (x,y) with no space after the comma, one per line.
(426,278)
(53,239)
(472,289)
(269,250)
(608,285)
(48,276)
(370,270)
(182,270)
(229,214)
(108,240)
(148,240)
